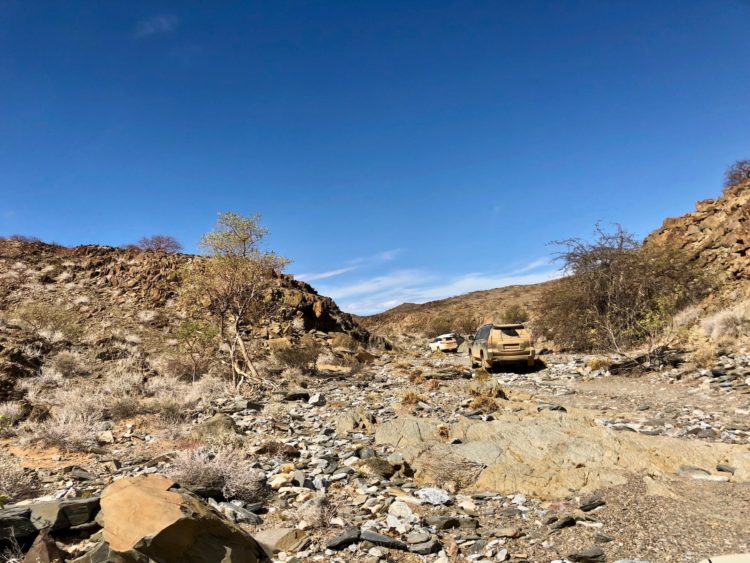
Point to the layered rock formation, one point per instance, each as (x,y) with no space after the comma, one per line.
(716,234)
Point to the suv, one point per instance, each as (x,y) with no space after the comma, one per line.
(496,344)
(444,343)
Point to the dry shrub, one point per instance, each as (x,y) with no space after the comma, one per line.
(159,243)
(50,320)
(416,377)
(727,325)
(411,398)
(705,356)
(484,403)
(619,293)
(11,413)
(438,326)
(514,314)
(737,173)
(466,324)
(433,384)
(449,467)
(223,469)
(15,484)
(70,430)
(68,364)
(317,512)
(687,317)
(343,340)
(599,362)
(482,375)
(302,356)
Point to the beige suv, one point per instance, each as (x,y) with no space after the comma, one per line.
(497,344)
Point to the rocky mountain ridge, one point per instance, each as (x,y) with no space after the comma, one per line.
(716,234)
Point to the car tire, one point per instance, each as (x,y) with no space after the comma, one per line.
(486,364)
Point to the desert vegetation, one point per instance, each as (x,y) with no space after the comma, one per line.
(159,243)
(618,293)
(737,173)
(235,285)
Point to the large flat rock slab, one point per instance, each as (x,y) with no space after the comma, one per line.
(551,455)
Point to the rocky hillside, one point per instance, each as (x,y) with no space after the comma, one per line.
(106,303)
(716,234)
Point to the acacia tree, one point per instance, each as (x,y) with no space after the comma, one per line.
(236,284)
(160,243)
(737,173)
(618,293)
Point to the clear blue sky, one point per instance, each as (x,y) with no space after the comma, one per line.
(397,151)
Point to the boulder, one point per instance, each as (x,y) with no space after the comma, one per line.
(44,550)
(15,522)
(354,420)
(150,516)
(64,514)
(218,425)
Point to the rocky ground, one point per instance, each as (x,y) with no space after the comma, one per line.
(415,457)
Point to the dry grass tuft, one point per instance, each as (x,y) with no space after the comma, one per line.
(411,398)
(223,469)
(416,377)
(433,384)
(705,356)
(482,375)
(11,413)
(450,468)
(727,325)
(15,484)
(599,362)
(484,403)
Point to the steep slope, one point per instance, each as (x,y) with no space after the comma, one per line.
(716,234)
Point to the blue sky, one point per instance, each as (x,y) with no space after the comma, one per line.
(397,151)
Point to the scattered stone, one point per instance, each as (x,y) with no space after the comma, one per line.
(218,425)
(276,540)
(433,495)
(724,468)
(564,522)
(62,515)
(350,536)
(443,522)
(591,555)
(381,540)
(426,548)
(591,503)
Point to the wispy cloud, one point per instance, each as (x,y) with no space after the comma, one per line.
(324,275)
(354,264)
(162,23)
(372,295)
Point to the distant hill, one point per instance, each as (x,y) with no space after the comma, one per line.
(484,306)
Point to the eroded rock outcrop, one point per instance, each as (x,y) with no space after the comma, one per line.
(716,234)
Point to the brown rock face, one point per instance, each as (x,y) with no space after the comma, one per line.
(716,234)
(146,516)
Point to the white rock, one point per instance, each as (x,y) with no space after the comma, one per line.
(433,495)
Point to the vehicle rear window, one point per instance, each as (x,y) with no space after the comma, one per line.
(508,331)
